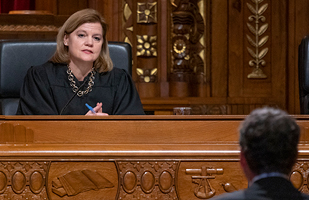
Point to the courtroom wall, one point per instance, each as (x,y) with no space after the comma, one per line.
(216,56)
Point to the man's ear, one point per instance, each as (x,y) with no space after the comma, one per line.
(243,161)
(245,167)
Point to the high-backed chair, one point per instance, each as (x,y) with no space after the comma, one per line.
(303,75)
(17,56)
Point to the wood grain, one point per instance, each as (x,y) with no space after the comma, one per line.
(149,156)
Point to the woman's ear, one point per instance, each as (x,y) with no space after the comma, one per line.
(66,40)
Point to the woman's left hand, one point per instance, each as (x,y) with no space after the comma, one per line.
(98,110)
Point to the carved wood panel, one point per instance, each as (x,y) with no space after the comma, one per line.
(82,180)
(203,180)
(237,54)
(23,180)
(129,179)
(147,180)
(127,157)
(257,50)
(248,67)
(140,27)
(188,46)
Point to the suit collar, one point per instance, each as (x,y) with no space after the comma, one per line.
(268,175)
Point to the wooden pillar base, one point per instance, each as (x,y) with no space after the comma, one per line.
(147,90)
(179,89)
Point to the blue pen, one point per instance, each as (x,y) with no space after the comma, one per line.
(90,108)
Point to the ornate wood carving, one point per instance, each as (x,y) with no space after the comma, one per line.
(204,189)
(39,28)
(23,180)
(154,157)
(147,75)
(137,179)
(228,187)
(204,180)
(147,12)
(140,30)
(146,45)
(299,176)
(79,181)
(147,180)
(15,134)
(257,42)
(209,109)
(82,180)
(187,47)
(127,22)
(222,64)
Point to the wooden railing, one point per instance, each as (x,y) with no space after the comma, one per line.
(124,157)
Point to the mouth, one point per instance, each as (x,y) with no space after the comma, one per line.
(87,51)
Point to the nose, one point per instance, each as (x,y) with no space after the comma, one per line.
(89,41)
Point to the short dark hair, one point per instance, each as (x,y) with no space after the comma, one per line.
(269,139)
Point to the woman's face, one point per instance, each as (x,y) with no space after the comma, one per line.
(85,43)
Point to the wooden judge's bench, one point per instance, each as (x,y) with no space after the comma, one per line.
(126,157)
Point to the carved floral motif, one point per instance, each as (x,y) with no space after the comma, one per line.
(146,45)
(147,75)
(188,29)
(147,12)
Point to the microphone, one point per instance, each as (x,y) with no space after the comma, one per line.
(78,89)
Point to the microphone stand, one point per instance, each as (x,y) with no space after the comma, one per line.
(78,89)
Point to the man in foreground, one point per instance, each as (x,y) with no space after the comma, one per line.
(268,141)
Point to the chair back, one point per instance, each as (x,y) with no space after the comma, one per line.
(303,74)
(17,56)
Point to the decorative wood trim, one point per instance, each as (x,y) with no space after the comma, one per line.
(26,28)
(123,162)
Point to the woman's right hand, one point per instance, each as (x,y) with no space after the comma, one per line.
(98,110)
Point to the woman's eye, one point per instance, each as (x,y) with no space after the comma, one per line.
(81,35)
(97,38)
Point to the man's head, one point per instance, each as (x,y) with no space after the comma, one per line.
(268,141)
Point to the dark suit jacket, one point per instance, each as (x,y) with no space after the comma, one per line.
(272,188)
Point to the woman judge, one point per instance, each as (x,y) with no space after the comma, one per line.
(80,72)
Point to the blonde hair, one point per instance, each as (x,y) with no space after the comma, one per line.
(103,63)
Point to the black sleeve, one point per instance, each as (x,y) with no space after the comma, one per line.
(35,95)
(127,100)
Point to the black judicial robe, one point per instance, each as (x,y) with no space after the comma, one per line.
(46,91)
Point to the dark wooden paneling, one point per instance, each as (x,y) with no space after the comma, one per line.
(49,5)
(219,51)
(298,24)
(68,7)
